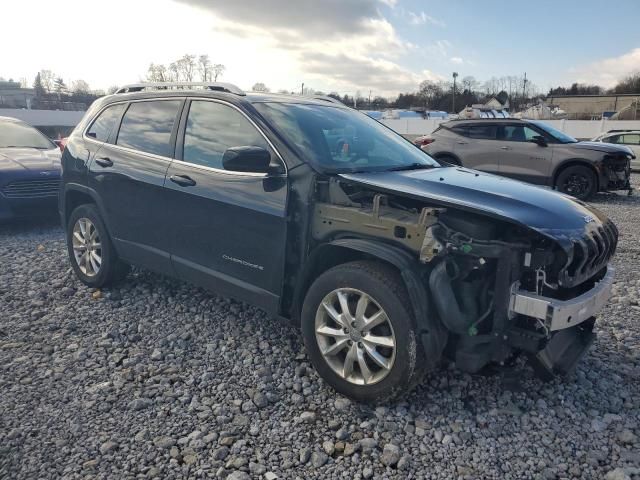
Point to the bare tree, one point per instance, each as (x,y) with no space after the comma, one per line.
(174,72)
(112,89)
(260,87)
(47,78)
(80,86)
(187,65)
(470,84)
(157,73)
(218,69)
(205,67)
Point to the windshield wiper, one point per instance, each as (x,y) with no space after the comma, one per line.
(412,166)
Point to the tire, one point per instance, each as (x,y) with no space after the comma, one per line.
(449,159)
(578,181)
(96,241)
(385,291)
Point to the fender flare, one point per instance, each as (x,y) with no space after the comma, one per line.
(76,187)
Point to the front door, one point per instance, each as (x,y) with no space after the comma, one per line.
(128,173)
(520,157)
(228,229)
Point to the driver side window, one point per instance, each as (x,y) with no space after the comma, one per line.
(212,128)
(516,133)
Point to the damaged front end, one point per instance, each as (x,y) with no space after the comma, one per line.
(616,172)
(494,288)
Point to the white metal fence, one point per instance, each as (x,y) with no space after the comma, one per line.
(44,118)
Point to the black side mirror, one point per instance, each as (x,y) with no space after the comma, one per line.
(247,159)
(539,140)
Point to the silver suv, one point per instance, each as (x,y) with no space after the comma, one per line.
(534,152)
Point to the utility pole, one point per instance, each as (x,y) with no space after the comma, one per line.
(453,98)
(524,89)
(302,89)
(369,99)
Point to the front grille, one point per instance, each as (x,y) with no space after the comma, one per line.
(32,188)
(591,253)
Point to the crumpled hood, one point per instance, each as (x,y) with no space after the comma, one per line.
(30,159)
(602,147)
(550,213)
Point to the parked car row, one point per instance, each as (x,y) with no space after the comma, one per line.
(387,259)
(532,151)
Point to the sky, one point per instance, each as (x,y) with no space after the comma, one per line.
(382,46)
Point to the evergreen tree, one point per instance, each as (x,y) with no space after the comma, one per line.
(38,86)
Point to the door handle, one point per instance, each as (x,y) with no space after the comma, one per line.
(182,180)
(505,148)
(462,143)
(104,162)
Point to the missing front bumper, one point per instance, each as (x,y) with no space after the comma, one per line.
(563,351)
(562,314)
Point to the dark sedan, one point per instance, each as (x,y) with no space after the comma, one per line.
(29,170)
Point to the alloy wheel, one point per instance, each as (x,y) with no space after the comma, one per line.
(576,185)
(355,336)
(87,249)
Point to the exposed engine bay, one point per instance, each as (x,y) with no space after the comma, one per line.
(497,288)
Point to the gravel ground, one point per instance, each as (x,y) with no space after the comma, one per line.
(157,379)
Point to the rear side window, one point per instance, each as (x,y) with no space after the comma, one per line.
(631,139)
(106,121)
(212,128)
(147,126)
(481,132)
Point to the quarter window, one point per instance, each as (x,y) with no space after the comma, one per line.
(147,126)
(103,125)
(482,132)
(212,128)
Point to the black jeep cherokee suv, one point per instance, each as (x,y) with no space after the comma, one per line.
(317,213)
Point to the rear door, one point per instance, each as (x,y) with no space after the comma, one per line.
(476,146)
(519,157)
(228,229)
(128,174)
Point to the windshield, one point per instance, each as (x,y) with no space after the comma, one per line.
(557,134)
(340,140)
(15,134)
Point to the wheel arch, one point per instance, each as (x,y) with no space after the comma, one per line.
(76,195)
(339,251)
(575,162)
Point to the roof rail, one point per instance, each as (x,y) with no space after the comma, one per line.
(324,98)
(217,86)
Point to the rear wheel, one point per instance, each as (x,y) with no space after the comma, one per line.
(91,252)
(578,181)
(359,332)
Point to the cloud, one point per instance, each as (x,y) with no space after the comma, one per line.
(383,76)
(456,60)
(422,18)
(607,72)
(311,18)
(343,44)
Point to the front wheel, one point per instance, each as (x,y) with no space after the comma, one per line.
(92,256)
(577,181)
(360,333)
